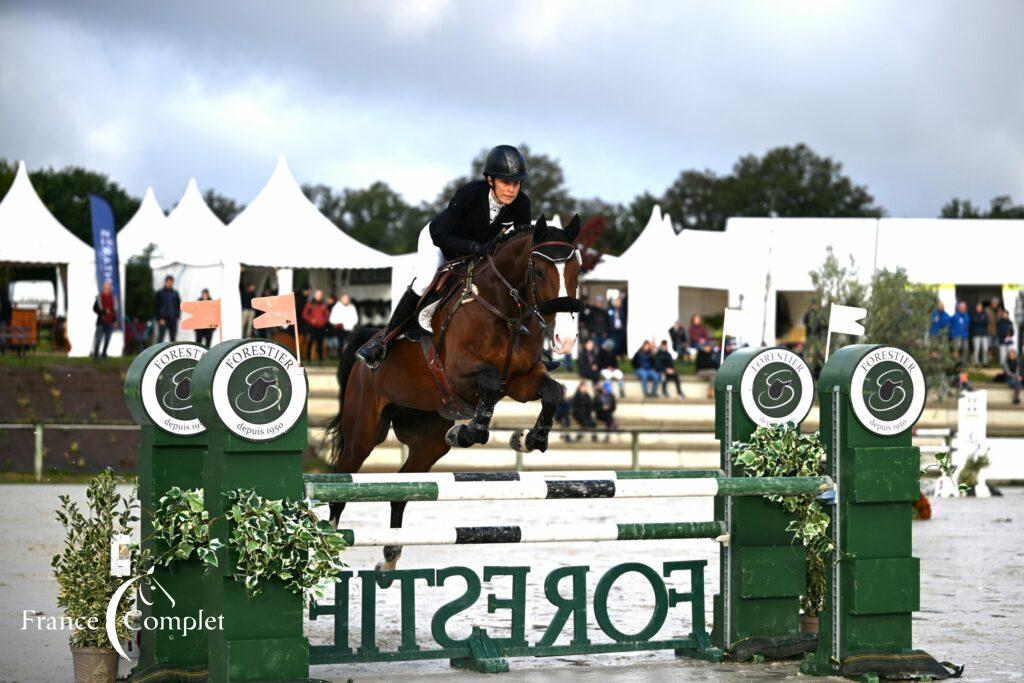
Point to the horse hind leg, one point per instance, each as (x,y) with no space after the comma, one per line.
(424,434)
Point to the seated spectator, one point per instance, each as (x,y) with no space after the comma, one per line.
(665,364)
(586,362)
(582,407)
(608,361)
(1004,336)
(643,365)
(1014,374)
(604,407)
(707,365)
(562,412)
(677,333)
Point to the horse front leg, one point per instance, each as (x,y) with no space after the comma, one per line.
(550,392)
(477,431)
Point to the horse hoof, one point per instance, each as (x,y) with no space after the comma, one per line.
(515,441)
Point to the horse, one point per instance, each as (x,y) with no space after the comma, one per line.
(489,340)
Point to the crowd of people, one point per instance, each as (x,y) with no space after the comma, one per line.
(980,337)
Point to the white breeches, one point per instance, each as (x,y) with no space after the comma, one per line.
(428,259)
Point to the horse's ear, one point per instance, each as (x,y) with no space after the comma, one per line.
(573,231)
(540,228)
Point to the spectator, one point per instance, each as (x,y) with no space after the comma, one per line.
(617,323)
(582,408)
(105,308)
(1014,374)
(597,321)
(204,337)
(562,412)
(608,359)
(1004,336)
(344,318)
(586,362)
(604,407)
(643,365)
(677,333)
(960,333)
(315,315)
(698,333)
(302,297)
(248,294)
(665,364)
(168,310)
(940,322)
(994,308)
(707,365)
(1018,317)
(979,334)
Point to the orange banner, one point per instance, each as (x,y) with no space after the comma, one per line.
(204,315)
(278,311)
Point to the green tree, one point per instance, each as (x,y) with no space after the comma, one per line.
(225,208)
(377,216)
(65,192)
(999,207)
(625,223)
(833,283)
(700,200)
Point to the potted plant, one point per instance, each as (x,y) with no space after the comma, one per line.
(84,578)
(783,451)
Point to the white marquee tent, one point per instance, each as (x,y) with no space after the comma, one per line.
(148,227)
(30,235)
(282,229)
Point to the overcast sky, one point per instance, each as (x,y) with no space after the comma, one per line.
(920,100)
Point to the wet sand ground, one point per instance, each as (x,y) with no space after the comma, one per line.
(972,587)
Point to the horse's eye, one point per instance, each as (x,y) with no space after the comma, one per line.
(541,275)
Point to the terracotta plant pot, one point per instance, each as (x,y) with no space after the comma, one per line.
(94,664)
(808,624)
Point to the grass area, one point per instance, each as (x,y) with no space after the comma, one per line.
(45,360)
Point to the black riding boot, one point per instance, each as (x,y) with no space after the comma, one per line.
(372,352)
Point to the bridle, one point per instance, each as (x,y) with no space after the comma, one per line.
(531,306)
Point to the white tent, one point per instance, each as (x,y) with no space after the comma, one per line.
(282,229)
(29,234)
(148,227)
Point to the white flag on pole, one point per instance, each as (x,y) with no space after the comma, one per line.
(843,320)
(732,323)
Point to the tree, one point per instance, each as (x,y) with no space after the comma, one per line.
(65,193)
(833,283)
(999,207)
(700,200)
(225,208)
(377,216)
(627,223)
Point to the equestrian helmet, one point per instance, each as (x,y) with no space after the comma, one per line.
(505,162)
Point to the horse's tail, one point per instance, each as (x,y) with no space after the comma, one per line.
(346,362)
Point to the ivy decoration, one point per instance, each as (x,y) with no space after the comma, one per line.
(783,451)
(181,527)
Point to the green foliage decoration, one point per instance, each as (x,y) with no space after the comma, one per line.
(181,528)
(82,568)
(783,451)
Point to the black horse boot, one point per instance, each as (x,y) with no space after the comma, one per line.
(373,352)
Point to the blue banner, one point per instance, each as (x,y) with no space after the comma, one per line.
(104,242)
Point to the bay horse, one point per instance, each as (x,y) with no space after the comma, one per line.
(524,292)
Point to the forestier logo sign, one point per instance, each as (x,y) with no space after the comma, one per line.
(776,388)
(167,389)
(259,390)
(887,391)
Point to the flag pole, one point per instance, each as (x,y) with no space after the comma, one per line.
(295,330)
(828,342)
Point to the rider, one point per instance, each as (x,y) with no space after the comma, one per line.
(469,226)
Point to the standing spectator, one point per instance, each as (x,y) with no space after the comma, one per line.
(1004,336)
(960,333)
(643,365)
(302,297)
(940,322)
(677,333)
(1014,374)
(315,315)
(105,308)
(604,407)
(597,321)
(1018,317)
(168,310)
(586,362)
(979,334)
(665,364)
(698,333)
(617,323)
(608,359)
(248,294)
(204,337)
(582,408)
(344,318)
(995,307)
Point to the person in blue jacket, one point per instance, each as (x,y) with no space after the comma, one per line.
(940,322)
(960,332)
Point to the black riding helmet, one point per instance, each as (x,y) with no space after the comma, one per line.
(505,162)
